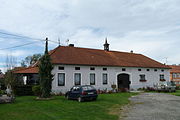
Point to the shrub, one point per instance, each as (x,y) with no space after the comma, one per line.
(23,90)
(149,89)
(36,90)
(1,92)
(177,87)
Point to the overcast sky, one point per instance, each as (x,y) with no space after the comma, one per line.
(149,27)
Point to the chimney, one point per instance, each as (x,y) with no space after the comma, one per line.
(71,45)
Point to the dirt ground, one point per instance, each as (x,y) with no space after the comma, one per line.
(152,106)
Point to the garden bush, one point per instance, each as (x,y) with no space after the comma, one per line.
(1,92)
(177,87)
(36,90)
(23,90)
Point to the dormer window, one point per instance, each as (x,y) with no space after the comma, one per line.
(92,68)
(61,68)
(123,69)
(77,68)
(104,69)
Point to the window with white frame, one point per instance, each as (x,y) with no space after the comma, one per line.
(61,79)
(92,78)
(177,75)
(105,78)
(142,77)
(161,77)
(174,75)
(77,79)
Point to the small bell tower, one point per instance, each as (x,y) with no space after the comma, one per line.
(106,45)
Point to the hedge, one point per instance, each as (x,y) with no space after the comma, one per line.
(23,90)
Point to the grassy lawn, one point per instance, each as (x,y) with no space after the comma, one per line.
(177,93)
(27,108)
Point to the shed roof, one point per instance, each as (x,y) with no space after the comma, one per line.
(175,69)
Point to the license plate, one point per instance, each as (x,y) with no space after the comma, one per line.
(90,93)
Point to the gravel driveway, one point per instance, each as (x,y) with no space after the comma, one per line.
(153,106)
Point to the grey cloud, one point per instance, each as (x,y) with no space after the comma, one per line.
(146,26)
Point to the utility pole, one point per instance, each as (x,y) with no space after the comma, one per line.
(46,47)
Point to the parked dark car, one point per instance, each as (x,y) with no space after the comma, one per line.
(81,93)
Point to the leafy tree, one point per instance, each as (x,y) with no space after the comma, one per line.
(45,68)
(30,60)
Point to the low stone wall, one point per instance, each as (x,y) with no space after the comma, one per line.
(6,99)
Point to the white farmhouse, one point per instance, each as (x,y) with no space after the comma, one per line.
(100,68)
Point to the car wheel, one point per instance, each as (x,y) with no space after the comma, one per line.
(94,99)
(80,99)
(67,97)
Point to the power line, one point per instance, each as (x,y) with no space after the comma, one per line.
(24,45)
(17,46)
(18,36)
(53,41)
(24,37)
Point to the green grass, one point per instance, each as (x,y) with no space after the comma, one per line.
(27,108)
(177,93)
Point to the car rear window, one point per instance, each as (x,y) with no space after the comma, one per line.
(88,88)
(75,88)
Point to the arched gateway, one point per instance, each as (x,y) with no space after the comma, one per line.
(123,81)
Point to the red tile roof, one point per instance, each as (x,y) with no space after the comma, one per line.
(27,70)
(95,57)
(86,56)
(175,68)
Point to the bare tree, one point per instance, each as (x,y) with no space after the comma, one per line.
(10,78)
(11,62)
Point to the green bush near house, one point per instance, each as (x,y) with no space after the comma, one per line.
(177,87)
(106,107)
(1,92)
(23,90)
(36,90)
(177,93)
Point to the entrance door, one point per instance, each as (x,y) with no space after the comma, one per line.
(123,81)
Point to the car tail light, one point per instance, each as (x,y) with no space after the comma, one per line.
(84,93)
